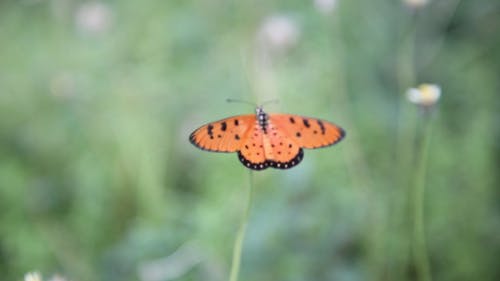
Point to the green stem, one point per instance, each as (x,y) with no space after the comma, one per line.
(406,78)
(419,248)
(238,243)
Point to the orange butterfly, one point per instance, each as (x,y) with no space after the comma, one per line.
(267,140)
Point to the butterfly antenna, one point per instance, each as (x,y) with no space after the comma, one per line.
(241,101)
(270,101)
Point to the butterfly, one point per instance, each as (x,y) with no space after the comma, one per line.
(267,140)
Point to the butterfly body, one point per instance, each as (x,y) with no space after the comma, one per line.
(267,140)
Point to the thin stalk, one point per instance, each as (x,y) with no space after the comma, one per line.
(399,253)
(240,236)
(419,245)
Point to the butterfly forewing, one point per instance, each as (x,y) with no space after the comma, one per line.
(307,132)
(226,135)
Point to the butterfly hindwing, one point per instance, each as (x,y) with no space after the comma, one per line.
(307,132)
(269,149)
(282,152)
(253,153)
(226,135)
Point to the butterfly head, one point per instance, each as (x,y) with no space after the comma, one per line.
(259,110)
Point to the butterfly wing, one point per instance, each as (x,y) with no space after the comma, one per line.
(253,152)
(226,135)
(282,152)
(307,132)
(271,149)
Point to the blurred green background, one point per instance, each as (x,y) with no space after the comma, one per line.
(99,182)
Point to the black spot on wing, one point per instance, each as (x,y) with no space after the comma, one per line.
(306,122)
(195,140)
(321,126)
(340,136)
(210,131)
(287,165)
(223,126)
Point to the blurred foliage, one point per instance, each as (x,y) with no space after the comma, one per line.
(99,182)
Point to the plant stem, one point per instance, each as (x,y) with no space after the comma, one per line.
(238,243)
(419,247)
(406,73)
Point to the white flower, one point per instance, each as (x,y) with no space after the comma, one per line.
(424,95)
(415,4)
(278,33)
(93,17)
(58,277)
(325,6)
(32,276)
(276,36)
